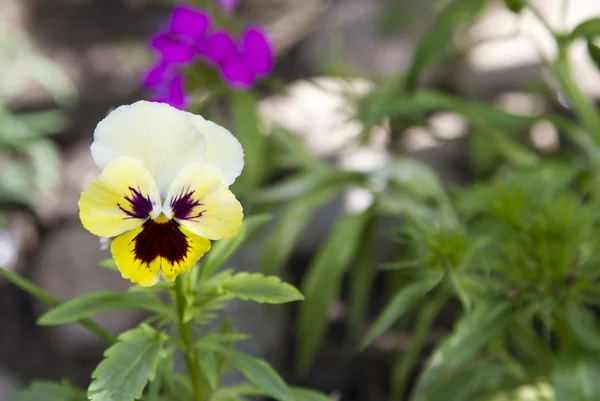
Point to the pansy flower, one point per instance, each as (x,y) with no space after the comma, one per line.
(163,191)
(243,63)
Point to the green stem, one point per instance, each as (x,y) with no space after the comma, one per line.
(186,335)
(47,298)
(407,360)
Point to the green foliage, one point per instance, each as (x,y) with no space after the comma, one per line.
(91,304)
(223,250)
(128,366)
(398,305)
(323,281)
(259,288)
(575,377)
(49,391)
(259,373)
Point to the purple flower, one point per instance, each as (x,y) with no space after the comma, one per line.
(167,84)
(180,41)
(244,63)
(227,6)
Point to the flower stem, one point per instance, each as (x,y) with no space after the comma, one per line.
(186,335)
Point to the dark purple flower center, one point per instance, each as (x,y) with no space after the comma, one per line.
(161,238)
(184,206)
(141,206)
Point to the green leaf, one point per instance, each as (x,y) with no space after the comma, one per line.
(323,280)
(362,276)
(209,368)
(234,393)
(128,366)
(433,45)
(473,332)
(515,5)
(304,183)
(594,52)
(398,305)
(48,299)
(97,302)
(576,377)
(302,394)
(587,29)
(222,250)
(259,288)
(290,224)
(247,123)
(582,324)
(468,383)
(48,391)
(259,372)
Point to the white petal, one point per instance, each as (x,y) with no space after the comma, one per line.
(222,148)
(162,137)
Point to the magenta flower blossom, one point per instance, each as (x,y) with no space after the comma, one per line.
(244,63)
(184,35)
(227,6)
(167,85)
(188,35)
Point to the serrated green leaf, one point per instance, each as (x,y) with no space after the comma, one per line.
(224,249)
(259,288)
(290,224)
(587,29)
(127,366)
(576,377)
(594,52)
(302,394)
(323,281)
(259,372)
(91,304)
(473,332)
(398,305)
(48,391)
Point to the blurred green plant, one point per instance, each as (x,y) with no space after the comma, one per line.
(29,160)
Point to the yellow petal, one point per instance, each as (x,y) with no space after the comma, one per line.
(203,204)
(222,149)
(159,135)
(120,199)
(160,248)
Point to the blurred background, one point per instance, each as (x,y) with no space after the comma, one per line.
(65,63)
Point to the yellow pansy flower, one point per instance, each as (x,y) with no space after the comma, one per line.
(163,191)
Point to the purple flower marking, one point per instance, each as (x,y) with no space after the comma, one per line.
(184,34)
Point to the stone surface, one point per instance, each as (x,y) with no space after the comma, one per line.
(8,385)
(320,112)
